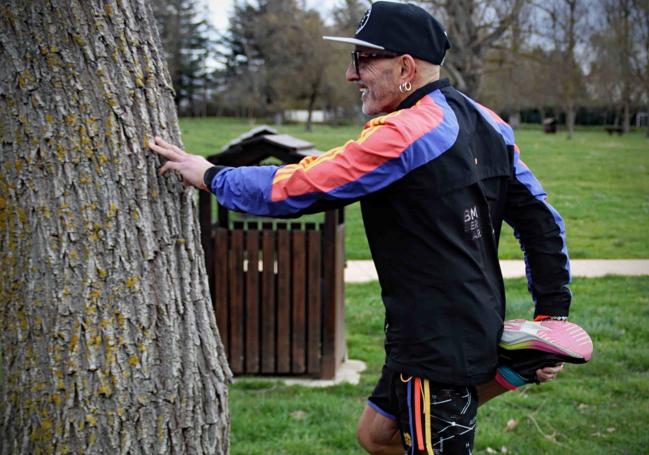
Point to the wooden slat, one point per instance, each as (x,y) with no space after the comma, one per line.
(283,298)
(314,299)
(268,306)
(329,296)
(221,299)
(341,345)
(252,299)
(236,300)
(298,291)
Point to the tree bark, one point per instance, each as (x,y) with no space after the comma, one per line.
(108,340)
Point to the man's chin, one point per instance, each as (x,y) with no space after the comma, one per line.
(369,110)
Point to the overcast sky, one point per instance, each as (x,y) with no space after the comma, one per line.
(220,10)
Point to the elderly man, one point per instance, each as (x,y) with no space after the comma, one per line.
(436,176)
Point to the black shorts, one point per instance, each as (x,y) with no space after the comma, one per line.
(433,418)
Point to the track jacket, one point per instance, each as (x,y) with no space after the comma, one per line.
(435,178)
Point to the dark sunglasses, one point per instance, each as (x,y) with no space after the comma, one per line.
(357,56)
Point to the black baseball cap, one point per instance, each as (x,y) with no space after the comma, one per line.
(402,28)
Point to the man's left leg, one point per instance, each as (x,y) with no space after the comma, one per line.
(436,418)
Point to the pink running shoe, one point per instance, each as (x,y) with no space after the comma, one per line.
(527,346)
(558,337)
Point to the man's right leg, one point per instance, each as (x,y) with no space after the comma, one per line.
(378,434)
(378,431)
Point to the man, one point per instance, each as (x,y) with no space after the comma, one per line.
(436,176)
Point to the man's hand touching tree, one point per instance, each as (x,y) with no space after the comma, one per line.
(191,167)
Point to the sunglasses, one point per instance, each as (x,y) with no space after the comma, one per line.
(358,56)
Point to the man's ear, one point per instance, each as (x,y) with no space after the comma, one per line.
(408,68)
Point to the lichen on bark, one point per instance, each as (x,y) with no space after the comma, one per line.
(107,339)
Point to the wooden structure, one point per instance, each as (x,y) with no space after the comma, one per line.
(277,287)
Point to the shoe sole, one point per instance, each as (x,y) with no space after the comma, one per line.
(558,337)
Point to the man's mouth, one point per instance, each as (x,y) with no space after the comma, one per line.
(363,91)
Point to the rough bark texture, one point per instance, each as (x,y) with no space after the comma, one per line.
(107,337)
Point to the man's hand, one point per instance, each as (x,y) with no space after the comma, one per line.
(548,374)
(191,167)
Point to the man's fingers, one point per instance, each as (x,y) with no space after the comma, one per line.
(169,146)
(191,167)
(553,370)
(548,373)
(158,140)
(168,166)
(164,151)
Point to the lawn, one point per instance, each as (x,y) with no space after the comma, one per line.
(597,408)
(599,183)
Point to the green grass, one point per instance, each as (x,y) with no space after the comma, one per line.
(598,408)
(599,183)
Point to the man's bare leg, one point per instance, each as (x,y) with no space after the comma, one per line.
(488,391)
(377,434)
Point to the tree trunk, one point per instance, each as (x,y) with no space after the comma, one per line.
(626,117)
(515,119)
(108,339)
(570,121)
(312,98)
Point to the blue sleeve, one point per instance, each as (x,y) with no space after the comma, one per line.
(542,235)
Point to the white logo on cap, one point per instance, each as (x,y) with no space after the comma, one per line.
(364,20)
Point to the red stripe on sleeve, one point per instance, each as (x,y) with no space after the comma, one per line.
(358,158)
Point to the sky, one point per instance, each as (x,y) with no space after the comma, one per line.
(220,10)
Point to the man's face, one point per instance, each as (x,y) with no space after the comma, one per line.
(378,81)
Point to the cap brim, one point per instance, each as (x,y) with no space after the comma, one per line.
(357,42)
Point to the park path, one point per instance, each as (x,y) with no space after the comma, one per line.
(364,271)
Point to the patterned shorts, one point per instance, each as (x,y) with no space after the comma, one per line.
(432,418)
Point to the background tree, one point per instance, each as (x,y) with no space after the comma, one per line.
(566,23)
(188,44)
(473,27)
(347,14)
(276,58)
(505,72)
(312,60)
(612,71)
(108,339)
(640,57)
(343,98)
(244,74)
(526,83)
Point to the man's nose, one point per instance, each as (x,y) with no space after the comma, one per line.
(351,73)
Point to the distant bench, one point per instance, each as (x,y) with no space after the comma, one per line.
(614,129)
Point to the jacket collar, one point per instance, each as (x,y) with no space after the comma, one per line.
(423,91)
